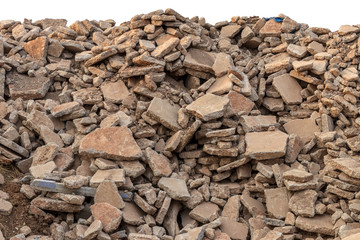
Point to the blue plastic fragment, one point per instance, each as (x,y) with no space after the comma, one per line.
(277,19)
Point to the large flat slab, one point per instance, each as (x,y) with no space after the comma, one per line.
(266,145)
(349,166)
(26,87)
(208,107)
(115,143)
(288,88)
(305,128)
(199,60)
(165,113)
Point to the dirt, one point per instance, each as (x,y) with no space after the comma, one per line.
(19,217)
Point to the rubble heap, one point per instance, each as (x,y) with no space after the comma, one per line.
(166,127)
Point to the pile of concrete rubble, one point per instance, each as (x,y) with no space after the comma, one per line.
(166,127)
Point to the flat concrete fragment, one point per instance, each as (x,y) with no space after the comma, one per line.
(349,166)
(271,29)
(132,214)
(37,48)
(288,88)
(55,205)
(239,103)
(297,175)
(318,224)
(305,128)
(199,60)
(114,92)
(254,206)
(230,31)
(221,85)
(235,230)
(205,212)
(266,145)
(107,192)
(159,164)
(208,107)
(115,175)
(14,146)
(115,143)
(175,188)
(223,63)
(88,95)
(26,87)
(165,47)
(277,202)
(39,171)
(109,216)
(163,112)
(64,109)
(257,123)
(303,203)
(296,50)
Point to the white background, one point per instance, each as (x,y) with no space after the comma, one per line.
(317,13)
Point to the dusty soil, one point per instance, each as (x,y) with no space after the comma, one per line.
(10,225)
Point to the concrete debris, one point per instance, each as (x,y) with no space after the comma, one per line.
(165,127)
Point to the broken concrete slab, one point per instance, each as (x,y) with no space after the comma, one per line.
(266,145)
(288,88)
(26,87)
(175,188)
(208,107)
(163,112)
(115,143)
(304,128)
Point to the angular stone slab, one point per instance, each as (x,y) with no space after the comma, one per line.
(277,202)
(163,112)
(199,60)
(288,88)
(208,107)
(175,188)
(305,128)
(55,205)
(115,143)
(116,175)
(239,103)
(26,87)
(114,92)
(318,224)
(266,145)
(349,166)
(257,123)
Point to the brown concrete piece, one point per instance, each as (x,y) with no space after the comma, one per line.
(208,107)
(257,123)
(239,103)
(163,112)
(37,48)
(304,128)
(271,29)
(199,60)
(114,92)
(115,143)
(159,164)
(115,175)
(232,208)
(175,188)
(297,175)
(349,166)
(55,205)
(288,88)
(318,224)
(234,229)
(107,192)
(266,145)
(109,216)
(221,85)
(303,203)
(205,212)
(277,202)
(26,87)
(132,214)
